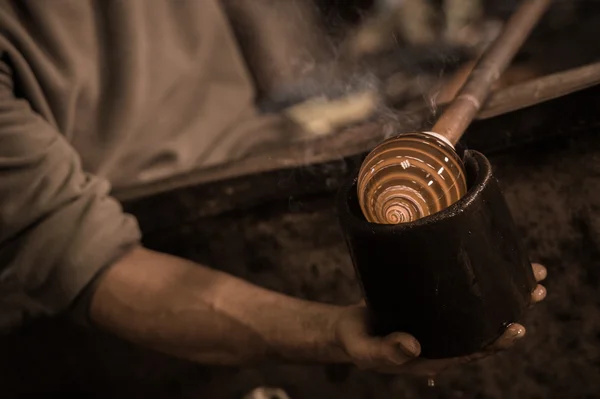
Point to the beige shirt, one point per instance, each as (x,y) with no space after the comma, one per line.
(95,93)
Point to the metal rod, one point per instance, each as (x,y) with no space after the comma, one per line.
(539,90)
(463,109)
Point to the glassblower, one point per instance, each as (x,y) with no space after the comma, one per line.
(432,240)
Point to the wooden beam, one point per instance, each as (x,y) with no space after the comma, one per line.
(188,200)
(362,138)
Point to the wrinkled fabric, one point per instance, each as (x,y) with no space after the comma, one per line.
(96,95)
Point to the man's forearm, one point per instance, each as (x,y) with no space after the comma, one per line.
(190,311)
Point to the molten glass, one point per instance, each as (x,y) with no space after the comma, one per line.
(408,177)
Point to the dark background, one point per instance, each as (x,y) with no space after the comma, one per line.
(547,159)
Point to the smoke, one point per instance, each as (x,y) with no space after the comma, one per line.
(403,78)
(322,68)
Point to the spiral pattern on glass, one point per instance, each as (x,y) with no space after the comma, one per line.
(408,177)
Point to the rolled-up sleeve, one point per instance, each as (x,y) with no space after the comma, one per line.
(59,226)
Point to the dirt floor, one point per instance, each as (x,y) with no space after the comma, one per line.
(295,247)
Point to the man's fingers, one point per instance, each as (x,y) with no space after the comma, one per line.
(540,272)
(511,335)
(538,294)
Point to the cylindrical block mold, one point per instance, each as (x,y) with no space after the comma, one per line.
(454,279)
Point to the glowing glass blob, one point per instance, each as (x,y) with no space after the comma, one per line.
(408,177)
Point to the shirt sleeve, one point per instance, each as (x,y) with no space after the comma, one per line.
(59,226)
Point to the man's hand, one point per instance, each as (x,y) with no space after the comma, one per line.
(399,352)
(190,311)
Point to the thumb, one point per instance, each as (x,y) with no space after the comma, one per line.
(401,346)
(385,353)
